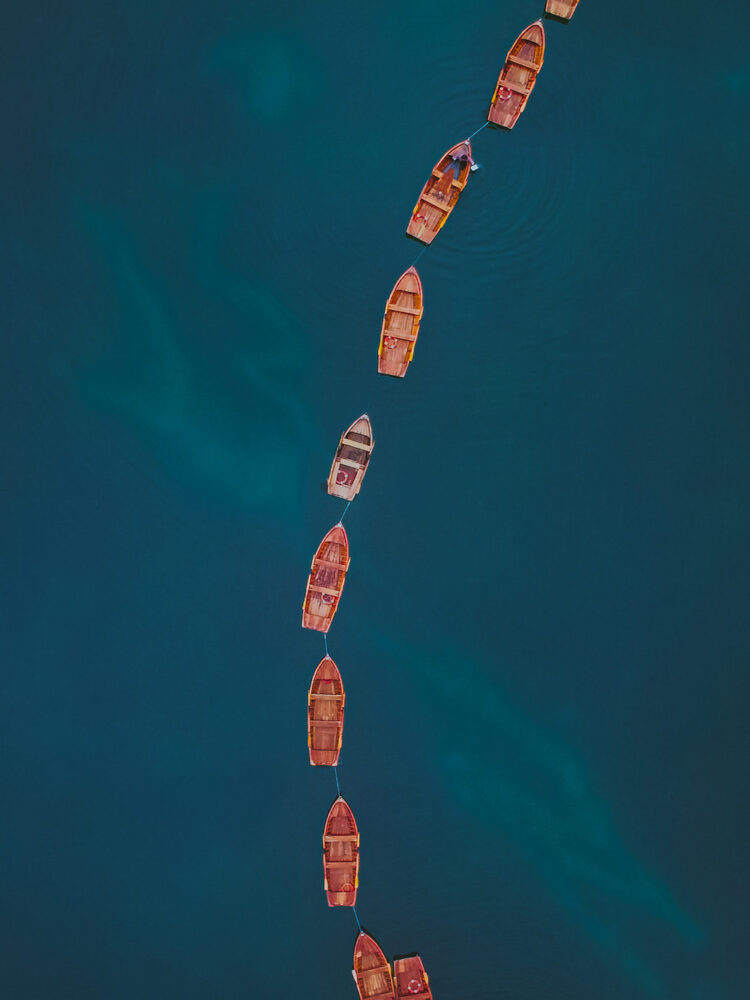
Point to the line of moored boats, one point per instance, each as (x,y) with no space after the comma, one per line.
(373,975)
(325,726)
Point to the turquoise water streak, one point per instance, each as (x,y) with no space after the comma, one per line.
(543,635)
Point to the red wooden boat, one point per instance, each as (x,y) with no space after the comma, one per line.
(518,76)
(341,855)
(326,580)
(440,193)
(410,978)
(403,312)
(563,9)
(371,971)
(325,714)
(351,459)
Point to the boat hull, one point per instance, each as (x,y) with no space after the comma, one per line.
(325,714)
(341,855)
(561,9)
(326,580)
(351,459)
(410,978)
(371,972)
(398,334)
(441,192)
(517,77)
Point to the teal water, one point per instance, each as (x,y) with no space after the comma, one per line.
(544,632)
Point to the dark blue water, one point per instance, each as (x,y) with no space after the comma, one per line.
(544,634)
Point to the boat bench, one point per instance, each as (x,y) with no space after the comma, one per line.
(435,203)
(327,562)
(403,309)
(356,444)
(399,334)
(517,88)
(526,63)
(316,588)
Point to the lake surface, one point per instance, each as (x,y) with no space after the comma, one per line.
(544,634)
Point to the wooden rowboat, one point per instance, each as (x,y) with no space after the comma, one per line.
(326,580)
(351,458)
(325,714)
(564,9)
(518,76)
(341,855)
(440,193)
(371,971)
(410,978)
(403,312)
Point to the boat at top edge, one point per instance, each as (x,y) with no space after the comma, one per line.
(410,978)
(351,459)
(325,714)
(341,855)
(403,313)
(326,580)
(564,9)
(441,192)
(518,76)
(372,973)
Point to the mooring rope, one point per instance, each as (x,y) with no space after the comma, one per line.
(325,640)
(336,776)
(354,911)
(478,130)
(345,510)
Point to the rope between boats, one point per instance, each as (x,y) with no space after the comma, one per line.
(478,130)
(354,911)
(336,776)
(345,510)
(325,640)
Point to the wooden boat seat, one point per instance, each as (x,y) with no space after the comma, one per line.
(399,335)
(527,63)
(315,588)
(403,309)
(357,444)
(442,205)
(327,562)
(378,996)
(513,85)
(340,836)
(350,470)
(340,864)
(324,694)
(327,722)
